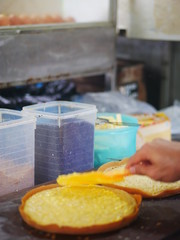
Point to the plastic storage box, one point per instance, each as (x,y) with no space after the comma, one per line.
(116,143)
(64,138)
(16,151)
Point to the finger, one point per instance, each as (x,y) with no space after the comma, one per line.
(140,156)
(141,168)
(147,170)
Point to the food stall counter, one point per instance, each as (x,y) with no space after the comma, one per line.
(157,219)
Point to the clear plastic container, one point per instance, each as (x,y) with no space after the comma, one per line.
(64,138)
(116,143)
(16,151)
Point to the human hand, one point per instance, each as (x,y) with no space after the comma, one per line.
(159,159)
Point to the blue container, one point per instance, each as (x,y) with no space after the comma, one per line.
(117,143)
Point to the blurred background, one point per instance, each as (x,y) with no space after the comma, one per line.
(120,55)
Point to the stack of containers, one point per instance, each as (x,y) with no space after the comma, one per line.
(16,151)
(64,138)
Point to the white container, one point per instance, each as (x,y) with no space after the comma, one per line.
(64,138)
(16,151)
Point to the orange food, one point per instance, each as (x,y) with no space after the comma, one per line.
(14,20)
(78,209)
(93,177)
(4,20)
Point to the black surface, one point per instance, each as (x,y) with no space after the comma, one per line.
(176,137)
(157,219)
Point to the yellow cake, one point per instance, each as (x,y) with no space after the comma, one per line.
(78,209)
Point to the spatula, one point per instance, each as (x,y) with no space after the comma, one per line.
(100,121)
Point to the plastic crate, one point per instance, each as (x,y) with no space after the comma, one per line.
(16,151)
(64,138)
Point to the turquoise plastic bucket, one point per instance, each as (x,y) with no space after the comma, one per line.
(117,143)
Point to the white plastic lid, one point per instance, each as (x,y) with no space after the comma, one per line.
(11,118)
(54,110)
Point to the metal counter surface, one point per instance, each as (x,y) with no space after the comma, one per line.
(157,219)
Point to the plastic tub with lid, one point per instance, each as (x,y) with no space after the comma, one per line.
(16,151)
(114,143)
(64,138)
